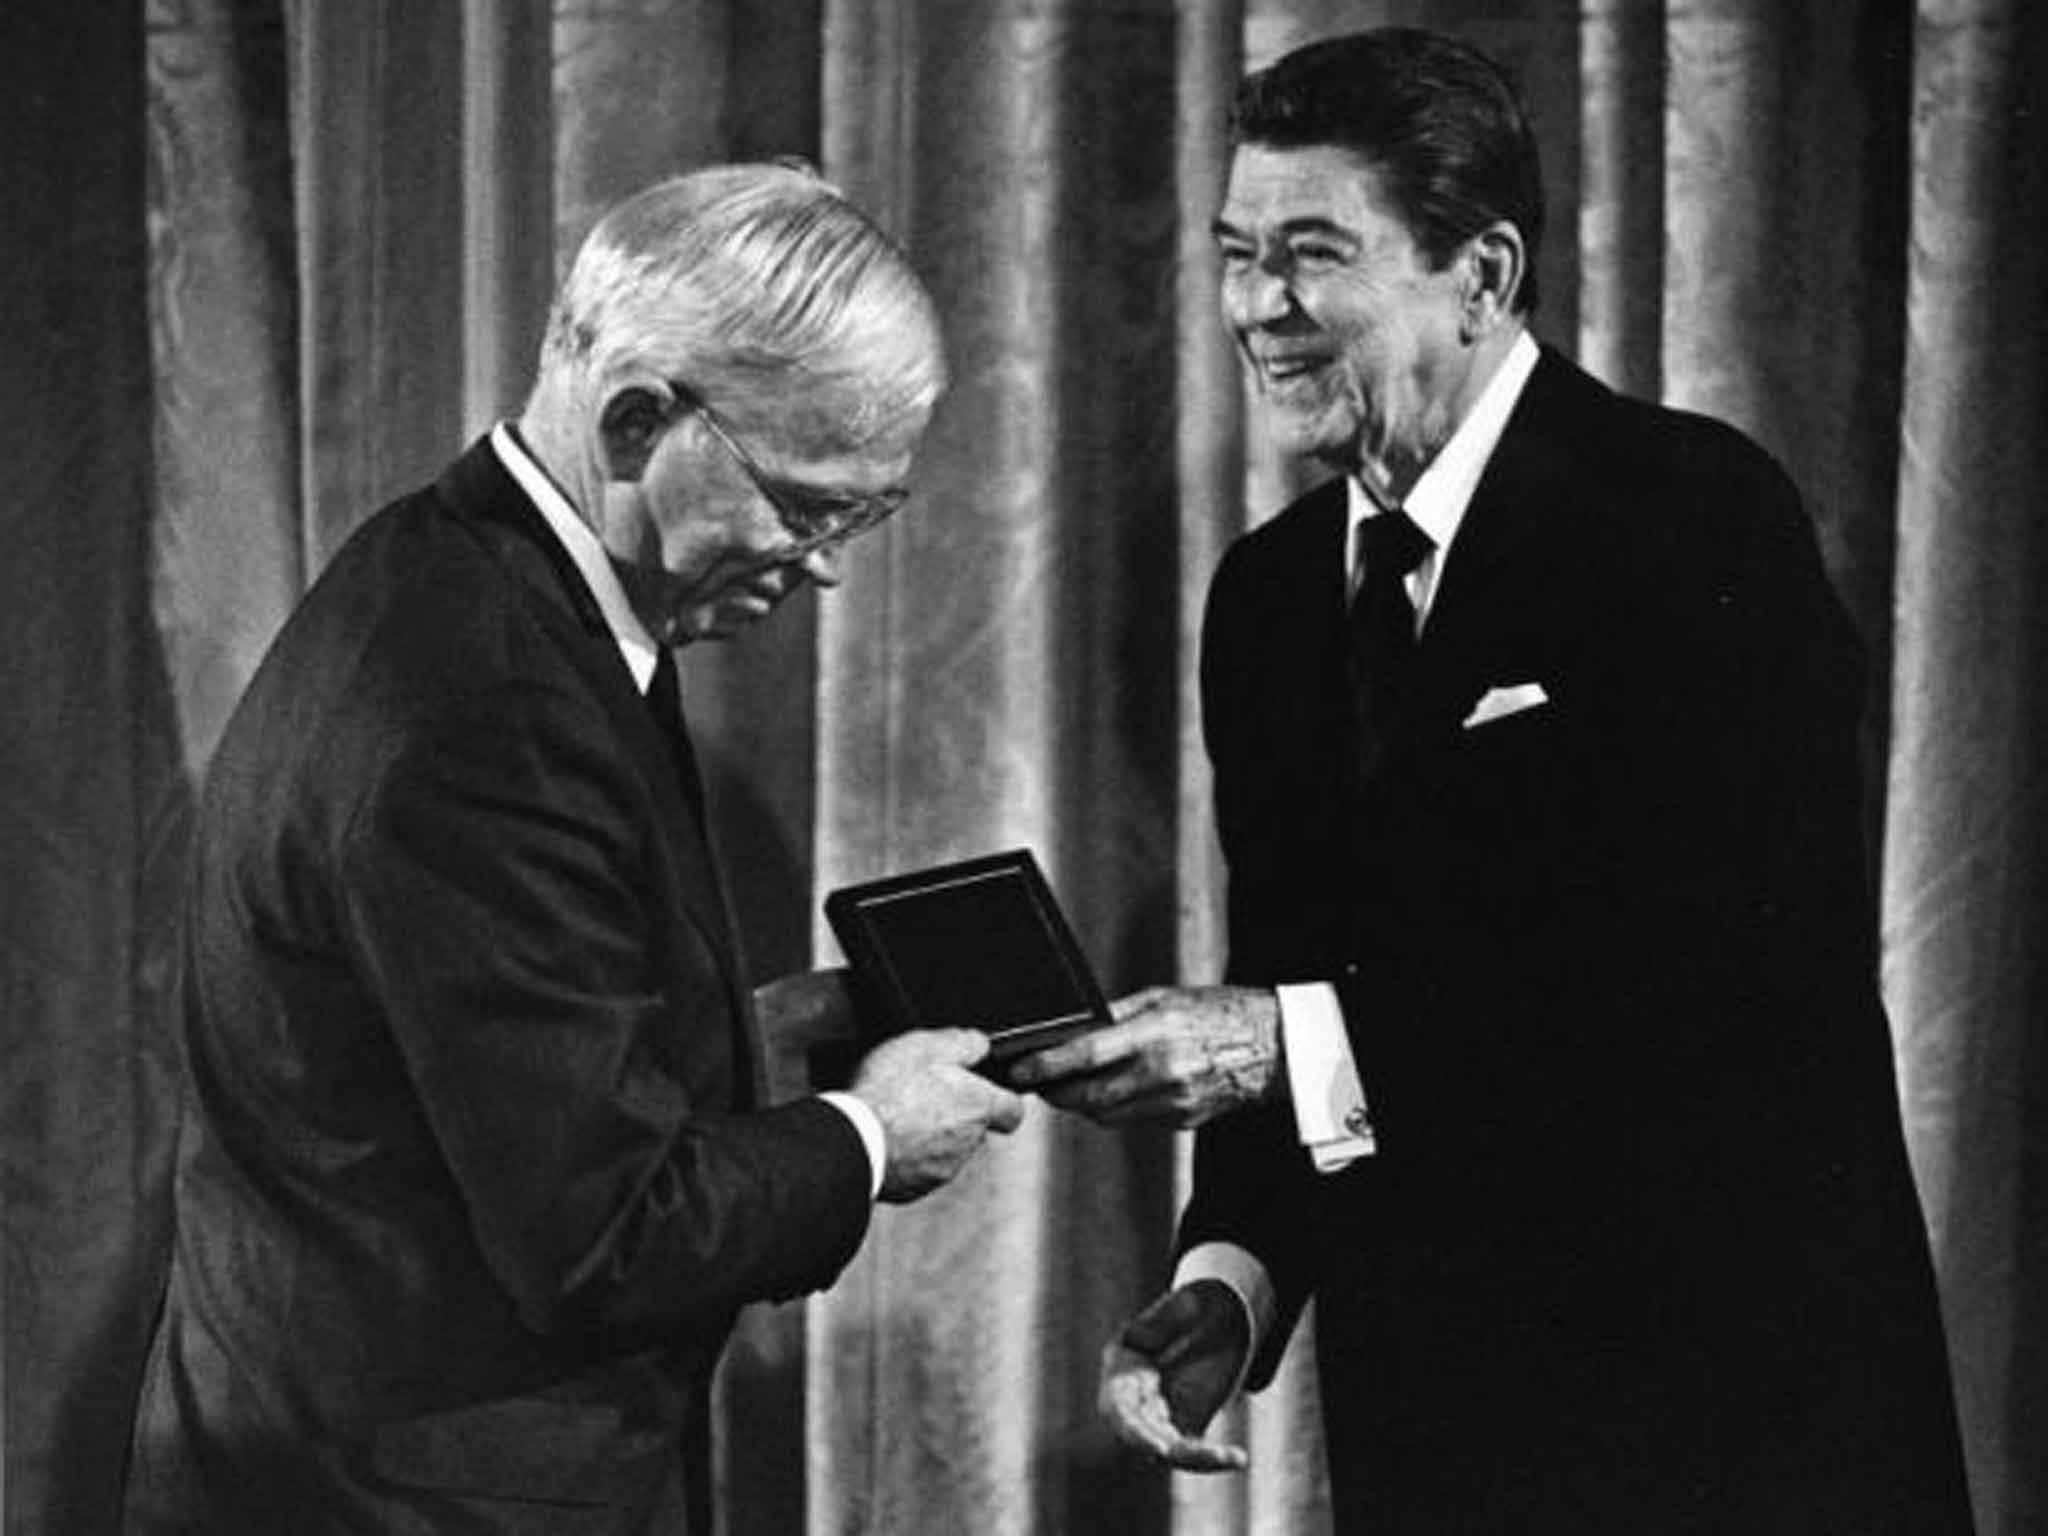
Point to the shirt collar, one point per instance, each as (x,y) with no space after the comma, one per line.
(1441,495)
(585,551)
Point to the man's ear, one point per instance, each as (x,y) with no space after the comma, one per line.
(1495,264)
(629,426)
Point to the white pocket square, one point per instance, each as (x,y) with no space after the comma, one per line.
(1496,703)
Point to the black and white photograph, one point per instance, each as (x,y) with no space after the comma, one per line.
(1024,768)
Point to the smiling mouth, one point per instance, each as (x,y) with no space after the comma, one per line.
(1285,370)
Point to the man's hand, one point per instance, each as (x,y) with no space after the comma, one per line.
(1169,1370)
(1180,1054)
(935,1113)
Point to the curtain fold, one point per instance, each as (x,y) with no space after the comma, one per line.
(1783,288)
(1966,868)
(508,162)
(272,262)
(91,787)
(224,314)
(1621,207)
(981,687)
(377,171)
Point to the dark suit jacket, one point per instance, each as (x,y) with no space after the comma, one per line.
(1640,1250)
(473,1178)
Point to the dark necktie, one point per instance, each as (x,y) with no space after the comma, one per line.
(1382,649)
(665,703)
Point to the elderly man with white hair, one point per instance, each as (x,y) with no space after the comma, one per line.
(478,1164)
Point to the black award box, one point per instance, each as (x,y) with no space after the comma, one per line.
(980,944)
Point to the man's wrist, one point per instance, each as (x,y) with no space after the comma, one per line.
(1273,1049)
(1249,1060)
(1239,1272)
(873,1139)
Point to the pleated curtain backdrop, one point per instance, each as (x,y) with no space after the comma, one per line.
(267,264)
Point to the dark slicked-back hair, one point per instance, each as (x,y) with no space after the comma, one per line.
(1439,121)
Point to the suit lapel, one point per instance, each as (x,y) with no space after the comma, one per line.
(1316,527)
(480,488)
(1510,551)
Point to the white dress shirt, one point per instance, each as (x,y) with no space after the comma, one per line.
(1331,1113)
(641,652)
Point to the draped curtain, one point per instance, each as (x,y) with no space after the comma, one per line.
(270,262)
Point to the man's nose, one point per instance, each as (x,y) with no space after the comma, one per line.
(1259,295)
(821,565)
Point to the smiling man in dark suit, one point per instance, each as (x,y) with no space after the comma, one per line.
(477,1165)
(1552,1065)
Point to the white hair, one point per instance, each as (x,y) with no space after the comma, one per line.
(738,280)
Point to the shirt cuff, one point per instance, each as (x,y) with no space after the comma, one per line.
(1330,1113)
(869,1124)
(1248,1282)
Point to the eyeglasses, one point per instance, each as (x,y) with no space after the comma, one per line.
(813,518)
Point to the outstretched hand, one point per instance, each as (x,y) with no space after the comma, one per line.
(1168,1371)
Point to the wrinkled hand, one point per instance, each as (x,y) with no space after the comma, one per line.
(1180,1054)
(935,1112)
(1169,1370)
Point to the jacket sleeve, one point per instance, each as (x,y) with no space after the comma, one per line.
(499,902)
(1253,1183)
